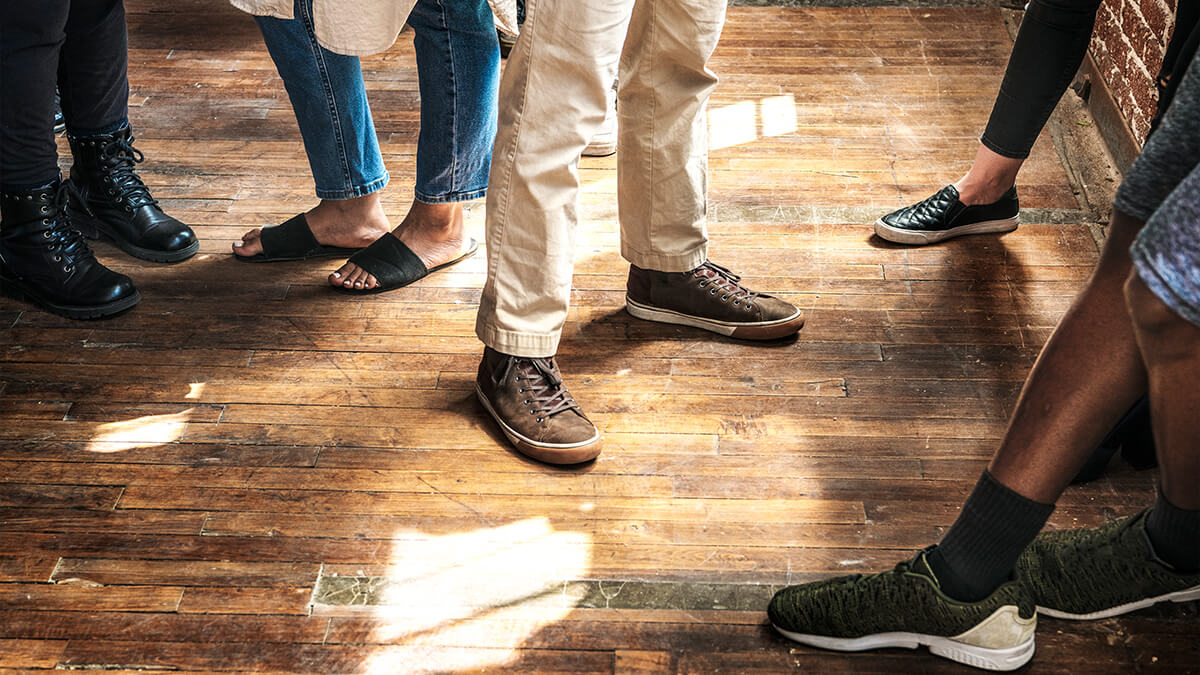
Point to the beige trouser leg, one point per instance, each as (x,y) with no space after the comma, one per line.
(552,99)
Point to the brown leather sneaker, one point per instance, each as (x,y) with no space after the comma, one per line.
(711,298)
(533,408)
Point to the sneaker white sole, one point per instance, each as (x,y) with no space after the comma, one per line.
(747,330)
(551,453)
(1008,658)
(1186,595)
(901,236)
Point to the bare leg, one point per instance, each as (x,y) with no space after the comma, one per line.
(433,231)
(349,223)
(1170,347)
(1089,373)
(990,176)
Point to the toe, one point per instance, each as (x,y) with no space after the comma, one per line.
(371,282)
(341,274)
(250,245)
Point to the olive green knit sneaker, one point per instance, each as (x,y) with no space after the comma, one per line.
(1101,572)
(906,608)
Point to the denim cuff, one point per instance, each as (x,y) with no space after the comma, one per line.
(354,191)
(449,198)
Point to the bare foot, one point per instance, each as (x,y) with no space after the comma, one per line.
(433,231)
(348,223)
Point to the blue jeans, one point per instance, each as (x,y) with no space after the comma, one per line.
(458,67)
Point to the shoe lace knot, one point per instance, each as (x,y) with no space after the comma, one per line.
(721,280)
(118,159)
(543,387)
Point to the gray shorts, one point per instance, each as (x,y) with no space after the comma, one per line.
(1163,189)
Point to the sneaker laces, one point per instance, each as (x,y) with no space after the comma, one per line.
(118,158)
(724,281)
(541,381)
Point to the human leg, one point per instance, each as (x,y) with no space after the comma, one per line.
(1050,45)
(329,99)
(458,66)
(662,178)
(42,257)
(552,99)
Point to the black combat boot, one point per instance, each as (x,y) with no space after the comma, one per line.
(108,198)
(45,260)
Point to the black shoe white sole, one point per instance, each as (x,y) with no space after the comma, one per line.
(1186,595)
(1004,659)
(746,330)
(94,228)
(19,291)
(551,453)
(920,237)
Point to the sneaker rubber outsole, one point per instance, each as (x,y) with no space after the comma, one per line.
(1006,659)
(550,453)
(1186,595)
(898,235)
(759,330)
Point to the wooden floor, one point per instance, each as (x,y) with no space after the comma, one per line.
(249,472)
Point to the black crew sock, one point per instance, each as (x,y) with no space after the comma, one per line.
(1175,535)
(981,548)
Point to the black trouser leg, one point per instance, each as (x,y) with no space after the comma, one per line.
(92,71)
(32,33)
(1053,39)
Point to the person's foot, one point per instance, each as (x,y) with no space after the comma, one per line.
(47,261)
(345,223)
(604,141)
(906,608)
(1101,572)
(944,216)
(529,401)
(709,297)
(108,198)
(433,231)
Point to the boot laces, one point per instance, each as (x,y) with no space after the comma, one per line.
(65,242)
(118,159)
(725,282)
(543,386)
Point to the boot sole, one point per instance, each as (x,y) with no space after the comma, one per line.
(760,330)
(94,228)
(20,292)
(550,453)
(1186,595)
(1004,659)
(900,236)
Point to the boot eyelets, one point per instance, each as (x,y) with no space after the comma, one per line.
(46,234)
(45,209)
(67,269)
(541,419)
(724,298)
(527,401)
(712,292)
(58,258)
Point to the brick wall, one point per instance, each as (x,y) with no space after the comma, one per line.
(1128,45)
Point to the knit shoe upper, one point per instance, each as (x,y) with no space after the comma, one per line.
(906,608)
(1101,572)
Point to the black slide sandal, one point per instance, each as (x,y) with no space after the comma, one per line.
(293,240)
(394,265)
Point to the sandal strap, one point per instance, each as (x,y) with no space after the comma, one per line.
(291,239)
(390,261)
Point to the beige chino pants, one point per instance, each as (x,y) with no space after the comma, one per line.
(552,100)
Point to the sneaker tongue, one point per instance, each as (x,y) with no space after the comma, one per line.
(920,565)
(546,368)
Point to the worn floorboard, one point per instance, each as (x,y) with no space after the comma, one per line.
(249,472)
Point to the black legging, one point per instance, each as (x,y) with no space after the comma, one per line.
(1053,39)
(80,43)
